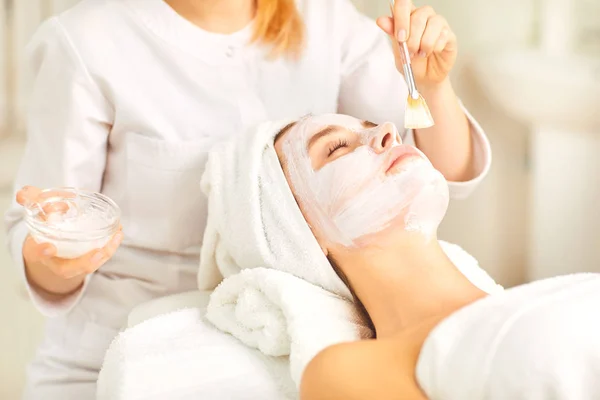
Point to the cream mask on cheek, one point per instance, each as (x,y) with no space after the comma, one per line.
(367,190)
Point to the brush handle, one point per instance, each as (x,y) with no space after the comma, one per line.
(408,73)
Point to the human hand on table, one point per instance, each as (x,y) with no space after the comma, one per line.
(429,38)
(40,258)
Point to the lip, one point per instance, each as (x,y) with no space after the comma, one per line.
(399,154)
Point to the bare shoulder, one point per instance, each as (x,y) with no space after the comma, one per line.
(373,369)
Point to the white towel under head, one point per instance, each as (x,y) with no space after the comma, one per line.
(282,315)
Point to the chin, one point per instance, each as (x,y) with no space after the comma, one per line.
(426,210)
(432,201)
(417,224)
(415,212)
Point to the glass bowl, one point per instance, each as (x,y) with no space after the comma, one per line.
(75,221)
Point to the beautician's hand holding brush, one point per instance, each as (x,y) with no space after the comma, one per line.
(425,50)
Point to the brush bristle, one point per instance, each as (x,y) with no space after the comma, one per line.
(417,114)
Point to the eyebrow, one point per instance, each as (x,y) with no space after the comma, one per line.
(368,124)
(322,133)
(283,131)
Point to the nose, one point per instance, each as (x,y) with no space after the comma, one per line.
(385,137)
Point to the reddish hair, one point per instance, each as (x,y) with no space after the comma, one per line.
(279,25)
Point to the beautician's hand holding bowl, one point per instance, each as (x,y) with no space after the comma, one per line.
(66,243)
(431,43)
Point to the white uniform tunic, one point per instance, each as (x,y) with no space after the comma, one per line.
(128,99)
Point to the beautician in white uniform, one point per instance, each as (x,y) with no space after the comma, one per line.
(130,95)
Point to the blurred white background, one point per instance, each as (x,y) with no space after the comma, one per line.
(528,70)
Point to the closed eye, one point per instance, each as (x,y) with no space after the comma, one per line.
(336,146)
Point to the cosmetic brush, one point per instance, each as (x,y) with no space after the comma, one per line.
(417,114)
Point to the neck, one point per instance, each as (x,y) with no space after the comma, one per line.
(405,285)
(219,16)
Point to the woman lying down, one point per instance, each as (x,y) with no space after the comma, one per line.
(360,222)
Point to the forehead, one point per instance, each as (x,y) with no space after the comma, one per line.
(312,124)
(334,119)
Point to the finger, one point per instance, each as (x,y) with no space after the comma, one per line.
(419,20)
(57,201)
(56,207)
(70,268)
(386,24)
(448,41)
(114,243)
(46,251)
(443,42)
(435,25)
(43,211)
(39,201)
(32,194)
(63,194)
(402,22)
(100,257)
(38,252)
(63,268)
(89,262)
(28,195)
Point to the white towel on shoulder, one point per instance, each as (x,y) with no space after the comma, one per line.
(533,342)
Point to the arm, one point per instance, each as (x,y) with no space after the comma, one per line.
(448,144)
(373,89)
(359,371)
(67,131)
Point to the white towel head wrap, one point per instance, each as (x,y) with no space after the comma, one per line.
(253,218)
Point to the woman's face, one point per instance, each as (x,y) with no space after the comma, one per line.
(355,181)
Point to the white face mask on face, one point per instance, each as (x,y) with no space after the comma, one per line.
(366,191)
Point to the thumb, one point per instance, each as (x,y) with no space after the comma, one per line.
(28,195)
(37,252)
(46,250)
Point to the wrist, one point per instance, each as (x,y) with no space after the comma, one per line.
(57,292)
(436,89)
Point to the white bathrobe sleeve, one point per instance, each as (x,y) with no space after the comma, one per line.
(67,129)
(374,90)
